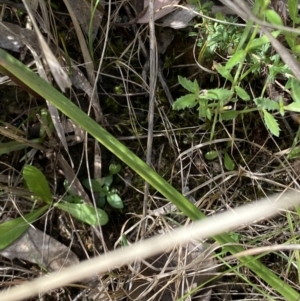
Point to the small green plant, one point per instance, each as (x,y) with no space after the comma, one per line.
(228,162)
(218,37)
(38,186)
(102,187)
(70,197)
(214,102)
(22,74)
(251,55)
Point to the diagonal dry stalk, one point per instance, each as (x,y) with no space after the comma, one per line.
(205,228)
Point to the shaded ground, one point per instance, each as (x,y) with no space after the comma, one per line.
(181,144)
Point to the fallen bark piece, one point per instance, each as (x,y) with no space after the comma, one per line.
(37,247)
(161,8)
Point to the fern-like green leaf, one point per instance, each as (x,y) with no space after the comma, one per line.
(271,123)
(228,115)
(266,103)
(186,101)
(241,93)
(294,107)
(189,85)
(219,94)
(223,71)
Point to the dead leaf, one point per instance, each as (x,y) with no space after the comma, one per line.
(37,247)
(12,37)
(60,76)
(180,18)
(161,8)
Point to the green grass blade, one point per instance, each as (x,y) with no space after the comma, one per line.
(11,146)
(13,229)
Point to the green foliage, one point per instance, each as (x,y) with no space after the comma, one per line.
(273,17)
(215,36)
(70,197)
(214,101)
(228,162)
(46,124)
(189,85)
(295,87)
(207,101)
(211,155)
(102,186)
(241,93)
(12,67)
(266,103)
(37,183)
(293,11)
(84,213)
(235,236)
(223,71)
(295,151)
(114,168)
(236,59)
(250,56)
(12,146)
(13,229)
